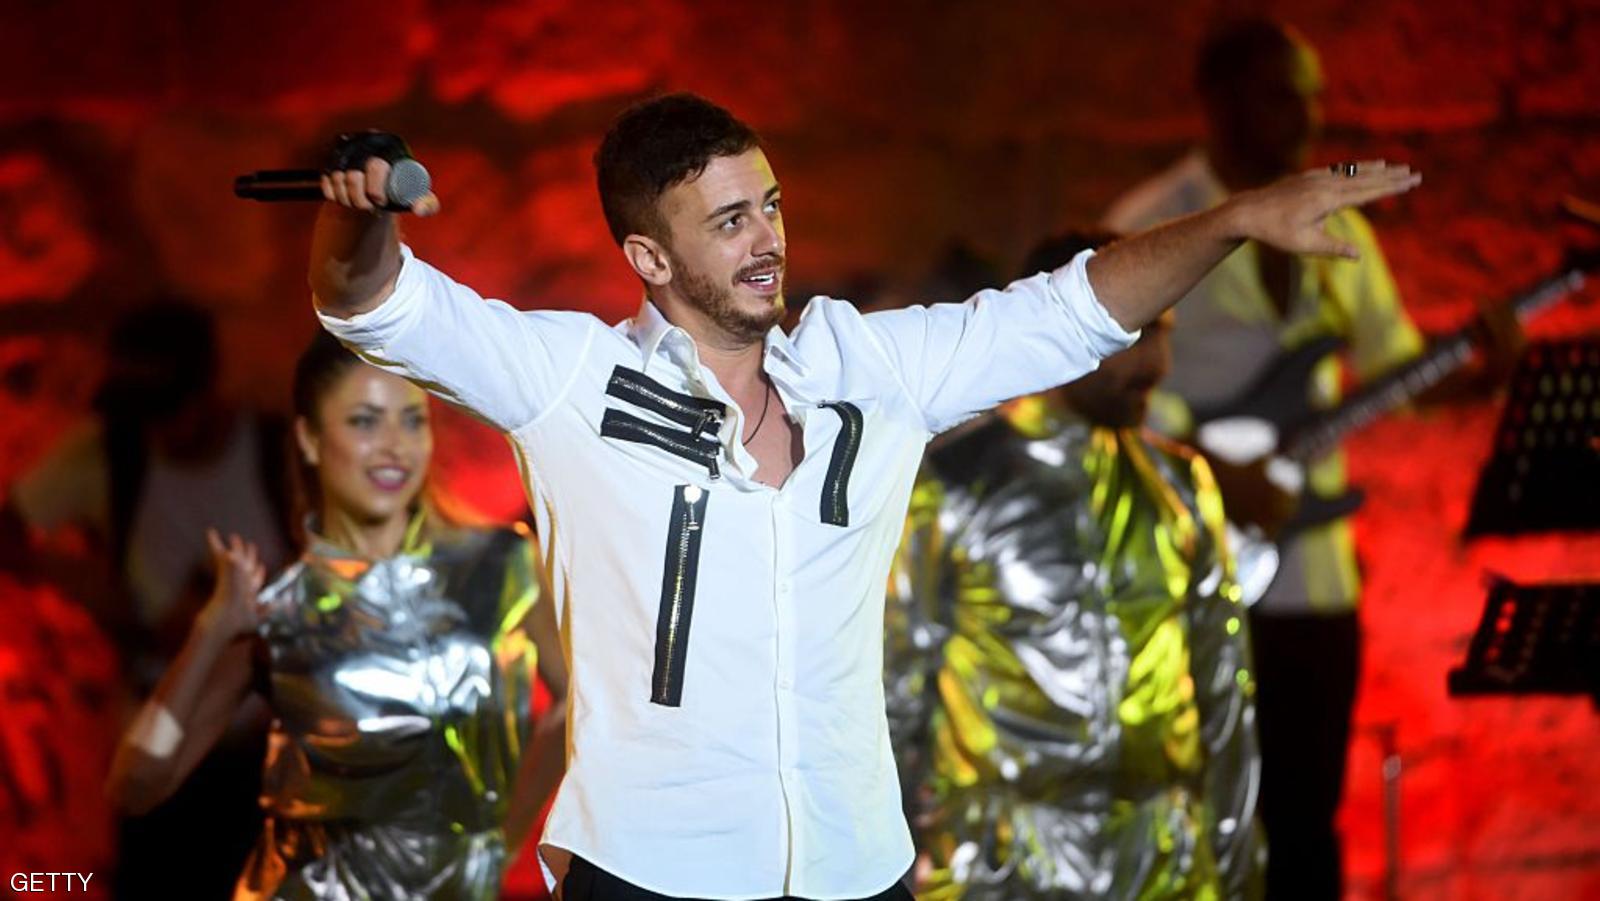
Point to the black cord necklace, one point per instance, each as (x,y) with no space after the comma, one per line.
(765,403)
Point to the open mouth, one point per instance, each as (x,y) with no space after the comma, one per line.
(389,478)
(764,281)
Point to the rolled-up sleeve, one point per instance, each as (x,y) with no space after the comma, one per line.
(957,360)
(505,365)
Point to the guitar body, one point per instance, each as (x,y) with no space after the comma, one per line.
(1280,397)
(1281,393)
(1273,419)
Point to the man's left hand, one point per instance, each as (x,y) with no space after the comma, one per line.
(1291,213)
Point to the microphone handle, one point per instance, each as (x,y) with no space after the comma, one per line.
(280,176)
(408,183)
(271,185)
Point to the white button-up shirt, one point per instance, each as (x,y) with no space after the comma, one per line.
(728,737)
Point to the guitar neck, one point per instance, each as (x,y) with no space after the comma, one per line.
(1402,384)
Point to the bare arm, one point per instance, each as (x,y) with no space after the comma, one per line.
(545,762)
(1142,275)
(198,694)
(355,249)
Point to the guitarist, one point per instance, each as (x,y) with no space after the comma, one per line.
(1260,84)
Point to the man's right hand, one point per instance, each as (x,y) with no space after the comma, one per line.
(365,189)
(355,248)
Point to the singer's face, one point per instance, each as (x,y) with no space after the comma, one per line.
(371,445)
(726,244)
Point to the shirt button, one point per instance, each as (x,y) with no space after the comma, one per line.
(785,683)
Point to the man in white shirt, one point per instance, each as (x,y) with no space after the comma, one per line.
(719,501)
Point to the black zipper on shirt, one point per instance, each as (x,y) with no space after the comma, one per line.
(836,487)
(684,409)
(688,445)
(677,594)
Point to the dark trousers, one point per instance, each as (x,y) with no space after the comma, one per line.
(1306,671)
(586,882)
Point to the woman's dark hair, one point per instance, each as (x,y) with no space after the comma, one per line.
(657,144)
(323,363)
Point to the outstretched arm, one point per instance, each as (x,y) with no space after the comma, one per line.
(200,692)
(954,361)
(402,315)
(1142,275)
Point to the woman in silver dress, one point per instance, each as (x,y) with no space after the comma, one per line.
(396,658)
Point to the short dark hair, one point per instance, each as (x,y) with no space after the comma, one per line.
(1232,51)
(654,145)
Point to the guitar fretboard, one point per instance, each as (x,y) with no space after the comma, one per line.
(1400,385)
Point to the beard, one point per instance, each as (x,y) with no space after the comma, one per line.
(717,303)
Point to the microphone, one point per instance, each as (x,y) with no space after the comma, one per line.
(408,181)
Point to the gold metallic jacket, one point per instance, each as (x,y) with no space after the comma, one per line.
(1067,669)
(400,694)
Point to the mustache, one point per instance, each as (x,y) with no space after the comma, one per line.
(765,264)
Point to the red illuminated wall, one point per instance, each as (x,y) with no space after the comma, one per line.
(895,127)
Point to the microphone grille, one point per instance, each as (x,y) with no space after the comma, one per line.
(408,183)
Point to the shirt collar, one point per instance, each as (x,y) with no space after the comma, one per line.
(651,330)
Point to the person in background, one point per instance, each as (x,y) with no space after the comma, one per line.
(396,658)
(115,516)
(1068,671)
(1260,85)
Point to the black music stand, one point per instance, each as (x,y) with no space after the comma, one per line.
(1545,471)
(1534,639)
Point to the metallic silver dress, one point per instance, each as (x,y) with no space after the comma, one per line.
(1067,669)
(400,693)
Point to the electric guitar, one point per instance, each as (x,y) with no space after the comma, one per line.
(1273,419)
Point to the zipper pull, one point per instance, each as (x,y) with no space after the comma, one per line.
(691,497)
(708,418)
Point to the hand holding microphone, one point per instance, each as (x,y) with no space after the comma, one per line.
(372,171)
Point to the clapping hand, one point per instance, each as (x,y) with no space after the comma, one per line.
(233,609)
